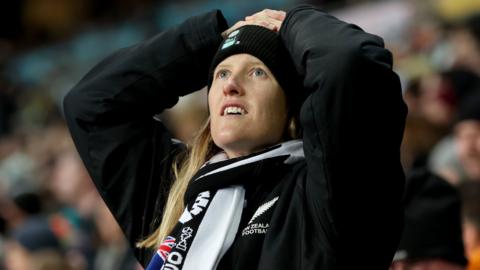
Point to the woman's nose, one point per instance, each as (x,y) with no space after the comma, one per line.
(232,87)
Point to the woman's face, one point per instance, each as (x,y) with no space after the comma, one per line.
(467,135)
(248,108)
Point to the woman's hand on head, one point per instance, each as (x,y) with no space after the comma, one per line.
(268,18)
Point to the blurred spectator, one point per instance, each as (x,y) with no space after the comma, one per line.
(467,135)
(465,39)
(29,243)
(462,82)
(470,192)
(17,167)
(443,159)
(432,237)
(77,200)
(84,215)
(15,210)
(113,252)
(71,184)
(429,117)
(434,102)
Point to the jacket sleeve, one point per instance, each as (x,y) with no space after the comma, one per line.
(110,113)
(353,121)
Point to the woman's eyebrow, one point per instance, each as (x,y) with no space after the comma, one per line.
(223,66)
(256,63)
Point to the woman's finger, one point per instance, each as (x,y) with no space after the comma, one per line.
(275,17)
(276,14)
(263,21)
(266,24)
(233,28)
(269,13)
(270,19)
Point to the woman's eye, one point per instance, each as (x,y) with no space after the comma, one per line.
(258,72)
(222,74)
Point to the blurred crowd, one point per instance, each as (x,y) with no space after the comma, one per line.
(51,216)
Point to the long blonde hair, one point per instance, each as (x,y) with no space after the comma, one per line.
(201,150)
(198,153)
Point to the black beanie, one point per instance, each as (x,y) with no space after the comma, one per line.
(433,226)
(267,46)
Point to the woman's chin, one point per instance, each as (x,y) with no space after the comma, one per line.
(234,146)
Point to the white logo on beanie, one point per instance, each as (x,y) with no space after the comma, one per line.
(400,255)
(231,39)
(234,33)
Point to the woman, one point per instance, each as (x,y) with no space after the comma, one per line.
(246,195)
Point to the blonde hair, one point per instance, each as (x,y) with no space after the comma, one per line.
(201,150)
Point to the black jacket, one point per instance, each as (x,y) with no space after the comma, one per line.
(339,209)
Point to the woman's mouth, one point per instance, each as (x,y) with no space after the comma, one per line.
(233,109)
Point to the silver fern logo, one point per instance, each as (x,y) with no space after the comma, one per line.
(263,208)
(259,228)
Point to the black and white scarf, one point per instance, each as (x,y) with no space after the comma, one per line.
(214,203)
